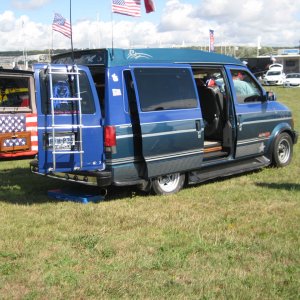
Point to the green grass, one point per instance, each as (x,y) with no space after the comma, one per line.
(236,238)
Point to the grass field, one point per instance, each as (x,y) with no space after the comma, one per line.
(236,238)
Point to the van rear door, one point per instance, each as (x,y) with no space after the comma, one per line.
(70,135)
(170,118)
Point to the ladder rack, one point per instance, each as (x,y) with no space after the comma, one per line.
(71,71)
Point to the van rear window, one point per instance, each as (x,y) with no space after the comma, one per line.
(14,92)
(165,88)
(63,87)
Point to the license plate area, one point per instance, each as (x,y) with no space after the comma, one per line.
(62,141)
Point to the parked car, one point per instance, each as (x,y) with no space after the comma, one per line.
(155,118)
(274,75)
(292,79)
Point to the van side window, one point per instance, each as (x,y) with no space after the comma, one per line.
(130,92)
(14,92)
(246,89)
(99,81)
(165,88)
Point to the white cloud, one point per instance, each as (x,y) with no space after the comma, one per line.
(175,17)
(31,4)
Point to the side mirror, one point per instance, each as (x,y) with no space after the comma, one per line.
(270,96)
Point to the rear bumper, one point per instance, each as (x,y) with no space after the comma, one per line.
(17,154)
(95,178)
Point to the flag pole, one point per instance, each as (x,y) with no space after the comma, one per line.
(51,51)
(72,49)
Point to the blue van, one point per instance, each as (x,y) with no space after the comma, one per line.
(155,118)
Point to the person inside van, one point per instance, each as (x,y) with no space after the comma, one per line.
(243,87)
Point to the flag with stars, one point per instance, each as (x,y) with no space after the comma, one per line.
(127,7)
(18,123)
(12,123)
(60,24)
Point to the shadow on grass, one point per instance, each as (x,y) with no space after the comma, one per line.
(20,186)
(280,186)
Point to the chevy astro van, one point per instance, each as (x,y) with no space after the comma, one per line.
(155,118)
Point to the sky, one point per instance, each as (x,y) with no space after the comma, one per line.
(26,24)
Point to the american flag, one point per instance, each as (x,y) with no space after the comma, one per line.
(211,41)
(14,123)
(127,7)
(61,25)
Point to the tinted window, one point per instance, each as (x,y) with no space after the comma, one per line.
(14,92)
(246,88)
(165,88)
(66,87)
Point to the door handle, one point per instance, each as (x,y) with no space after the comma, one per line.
(240,123)
(198,128)
(197,125)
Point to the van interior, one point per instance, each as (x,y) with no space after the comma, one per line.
(216,109)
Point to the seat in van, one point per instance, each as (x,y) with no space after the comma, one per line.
(211,107)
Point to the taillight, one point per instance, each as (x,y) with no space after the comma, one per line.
(110,136)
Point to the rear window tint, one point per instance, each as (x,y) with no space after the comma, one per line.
(165,88)
(64,87)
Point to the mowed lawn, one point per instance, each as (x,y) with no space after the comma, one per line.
(235,238)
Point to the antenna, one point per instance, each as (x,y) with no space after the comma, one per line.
(72,49)
(112,36)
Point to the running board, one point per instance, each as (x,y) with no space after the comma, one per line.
(227,169)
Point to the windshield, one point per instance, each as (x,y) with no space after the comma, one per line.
(293,76)
(272,73)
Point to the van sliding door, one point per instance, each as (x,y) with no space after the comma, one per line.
(170,118)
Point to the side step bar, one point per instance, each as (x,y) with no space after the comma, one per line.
(228,169)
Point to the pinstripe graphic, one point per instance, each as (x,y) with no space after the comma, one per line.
(255,140)
(153,158)
(173,155)
(266,120)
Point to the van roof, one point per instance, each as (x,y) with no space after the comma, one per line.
(124,57)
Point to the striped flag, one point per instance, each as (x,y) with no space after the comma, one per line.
(127,7)
(211,41)
(60,24)
(31,125)
(12,124)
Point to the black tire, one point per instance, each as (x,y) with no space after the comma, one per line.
(168,184)
(283,150)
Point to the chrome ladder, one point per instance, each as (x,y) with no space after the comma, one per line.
(69,71)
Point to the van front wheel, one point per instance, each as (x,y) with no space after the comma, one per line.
(168,184)
(283,150)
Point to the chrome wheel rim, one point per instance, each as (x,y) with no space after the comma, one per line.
(284,151)
(168,183)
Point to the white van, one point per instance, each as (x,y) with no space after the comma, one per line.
(274,75)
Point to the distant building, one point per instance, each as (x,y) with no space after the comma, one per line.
(289,58)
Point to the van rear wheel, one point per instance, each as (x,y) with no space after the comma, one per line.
(283,150)
(168,184)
